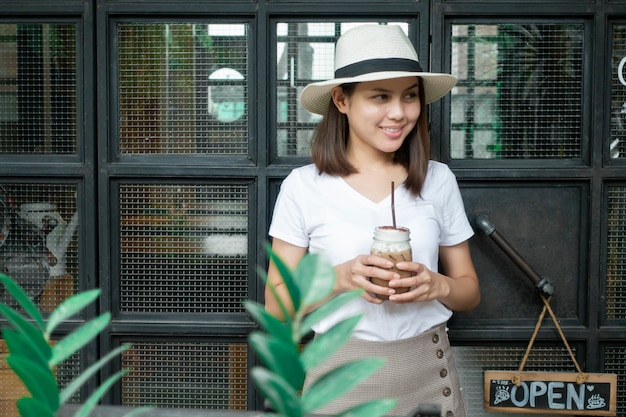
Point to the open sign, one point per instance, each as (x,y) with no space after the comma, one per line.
(550,393)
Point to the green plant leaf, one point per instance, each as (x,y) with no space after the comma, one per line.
(38,380)
(373,408)
(23,300)
(326,309)
(79,381)
(324,344)
(337,382)
(94,398)
(279,357)
(69,308)
(74,341)
(28,330)
(32,407)
(287,276)
(20,346)
(315,279)
(267,321)
(279,393)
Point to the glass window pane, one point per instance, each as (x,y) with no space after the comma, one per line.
(615,362)
(617,138)
(12,388)
(306,53)
(519,93)
(167,374)
(184,248)
(183,88)
(37,88)
(616,251)
(38,241)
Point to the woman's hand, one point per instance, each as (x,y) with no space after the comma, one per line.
(424,284)
(458,289)
(356,273)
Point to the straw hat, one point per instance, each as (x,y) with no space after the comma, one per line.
(370,53)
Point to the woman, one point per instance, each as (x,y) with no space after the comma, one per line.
(373,134)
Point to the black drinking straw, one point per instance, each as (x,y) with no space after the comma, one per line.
(393,205)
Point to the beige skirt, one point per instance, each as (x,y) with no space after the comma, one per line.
(417,370)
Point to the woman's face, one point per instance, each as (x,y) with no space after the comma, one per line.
(380,113)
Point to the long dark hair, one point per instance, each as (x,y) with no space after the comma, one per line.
(330,140)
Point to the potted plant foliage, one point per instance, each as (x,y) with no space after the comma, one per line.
(33,356)
(279,344)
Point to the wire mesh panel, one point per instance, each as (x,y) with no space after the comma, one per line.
(184,248)
(615,362)
(616,254)
(305,53)
(38,241)
(520,91)
(472,361)
(37,88)
(66,372)
(11,388)
(183,88)
(186,375)
(617,138)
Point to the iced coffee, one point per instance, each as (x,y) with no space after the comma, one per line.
(392,243)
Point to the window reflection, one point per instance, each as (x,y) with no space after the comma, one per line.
(617,139)
(175,96)
(37,88)
(226,95)
(38,241)
(519,93)
(183,247)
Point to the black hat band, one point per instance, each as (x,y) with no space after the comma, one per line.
(378,65)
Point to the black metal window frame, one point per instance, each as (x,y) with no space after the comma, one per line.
(97,168)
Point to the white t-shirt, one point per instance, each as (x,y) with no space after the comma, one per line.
(326,215)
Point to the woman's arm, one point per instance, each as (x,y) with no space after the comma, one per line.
(290,255)
(460,278)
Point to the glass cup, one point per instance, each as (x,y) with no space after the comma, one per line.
(393,244)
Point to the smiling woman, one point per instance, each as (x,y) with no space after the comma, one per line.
(374,133)
(381,114)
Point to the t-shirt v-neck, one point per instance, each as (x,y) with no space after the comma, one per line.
(357,195)
(368,201)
